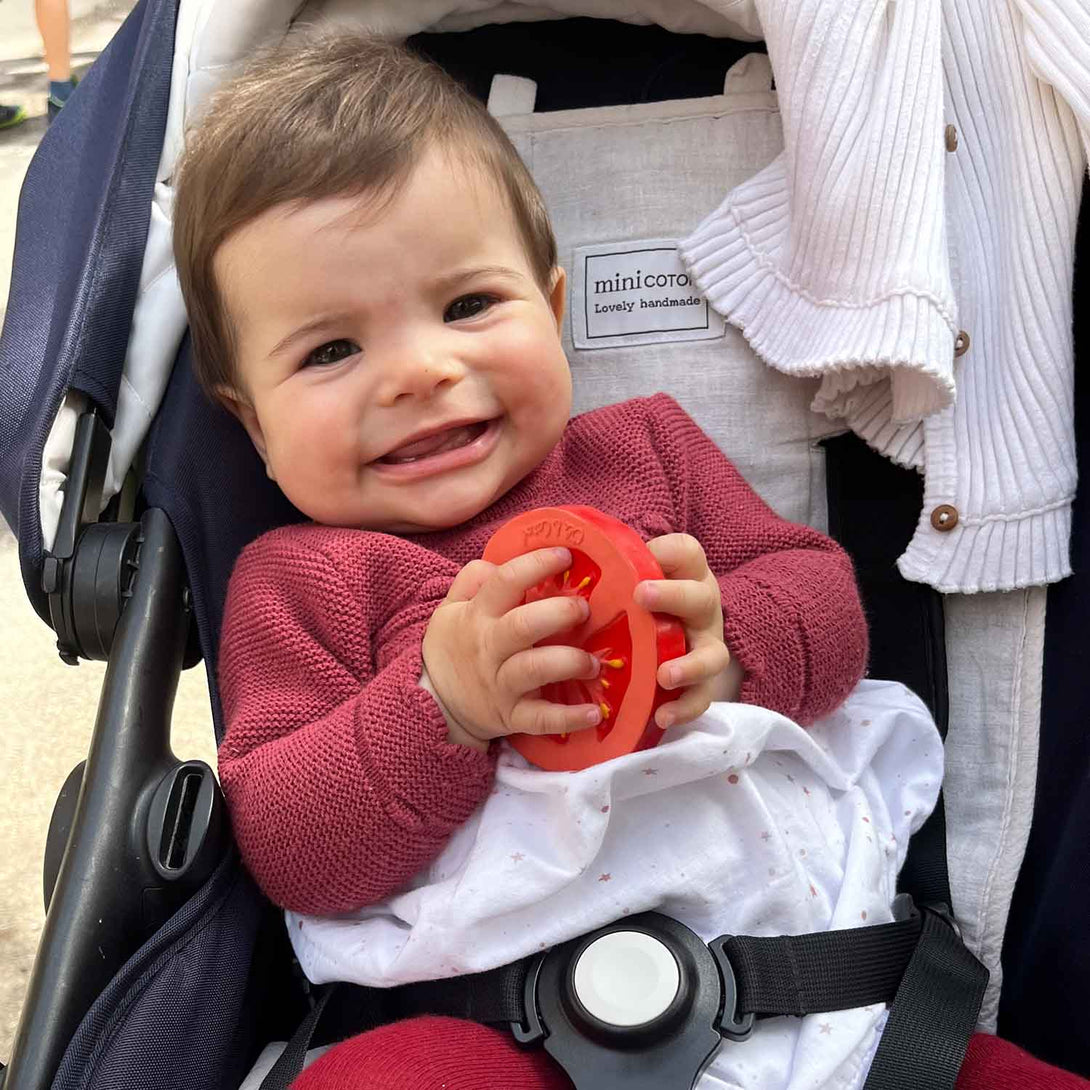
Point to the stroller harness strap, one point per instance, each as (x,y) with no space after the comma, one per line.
(918,964)
(938,1003)
(825,971)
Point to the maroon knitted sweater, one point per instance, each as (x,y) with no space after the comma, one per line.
(339,778)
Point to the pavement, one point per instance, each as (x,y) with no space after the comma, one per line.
(23,82)
(47,709)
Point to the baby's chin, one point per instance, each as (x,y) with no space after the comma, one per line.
(448,506)
(434,523)
(429,521)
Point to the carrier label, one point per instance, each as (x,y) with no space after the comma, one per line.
(630,293)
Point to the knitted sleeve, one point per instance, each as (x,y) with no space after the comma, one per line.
(791,610)
(338,776)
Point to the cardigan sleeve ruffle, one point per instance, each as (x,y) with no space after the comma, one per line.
(799,256)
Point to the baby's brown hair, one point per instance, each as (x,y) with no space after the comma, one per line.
(328,114)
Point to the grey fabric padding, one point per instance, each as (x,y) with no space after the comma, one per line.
(620,174)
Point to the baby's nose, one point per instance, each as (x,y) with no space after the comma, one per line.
(421,378)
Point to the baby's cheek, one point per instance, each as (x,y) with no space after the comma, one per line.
(542,384)
(315,457)
(321,429)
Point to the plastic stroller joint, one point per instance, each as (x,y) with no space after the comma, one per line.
(89,574)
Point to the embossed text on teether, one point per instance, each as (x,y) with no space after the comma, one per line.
(551,532)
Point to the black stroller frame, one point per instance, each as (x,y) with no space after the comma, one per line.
(122,590)
(140,872)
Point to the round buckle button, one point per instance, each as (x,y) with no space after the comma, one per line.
(626,979)
(944,517)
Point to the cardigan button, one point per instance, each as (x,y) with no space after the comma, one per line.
(951,136)
(944,517)
(961,343)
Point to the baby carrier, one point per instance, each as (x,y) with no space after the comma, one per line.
(131,496)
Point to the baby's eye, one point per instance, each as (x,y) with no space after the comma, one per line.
(333,352)
(468,306)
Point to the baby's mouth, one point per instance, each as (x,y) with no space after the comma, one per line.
(439,443)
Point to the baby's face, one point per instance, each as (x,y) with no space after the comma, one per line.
(400,366)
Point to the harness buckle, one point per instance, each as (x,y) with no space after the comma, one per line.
(731,1024)
(944,913)
(533,1031)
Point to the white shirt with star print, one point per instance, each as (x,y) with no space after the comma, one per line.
(740,823)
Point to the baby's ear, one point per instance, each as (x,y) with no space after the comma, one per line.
(239,406)
(558,294)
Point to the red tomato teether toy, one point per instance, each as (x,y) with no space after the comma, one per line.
(608,560)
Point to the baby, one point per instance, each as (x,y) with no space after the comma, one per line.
(373,291)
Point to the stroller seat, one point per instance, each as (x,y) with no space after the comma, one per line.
(624,166)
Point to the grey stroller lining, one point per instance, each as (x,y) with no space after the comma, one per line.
(215,957)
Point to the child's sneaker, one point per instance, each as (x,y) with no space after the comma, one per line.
(10,116)
(59,90)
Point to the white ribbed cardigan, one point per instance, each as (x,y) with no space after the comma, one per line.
(861,251)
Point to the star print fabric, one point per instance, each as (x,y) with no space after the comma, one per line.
(742,823)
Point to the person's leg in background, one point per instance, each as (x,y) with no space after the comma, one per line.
(52,16)
(10,116)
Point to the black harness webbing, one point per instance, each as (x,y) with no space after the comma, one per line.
(824,971)
(290,1062)
(933,1014)
(792,975)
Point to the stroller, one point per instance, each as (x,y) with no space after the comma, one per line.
(127,540)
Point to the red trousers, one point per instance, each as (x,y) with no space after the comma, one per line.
(430,1053)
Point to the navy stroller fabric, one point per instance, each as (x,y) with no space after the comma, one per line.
(203,471)
(181,1013)
(83,220)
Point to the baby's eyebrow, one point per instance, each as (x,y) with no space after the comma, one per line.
(323,321)
(450,280)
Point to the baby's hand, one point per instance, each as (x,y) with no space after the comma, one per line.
(690,592)
(479,655)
